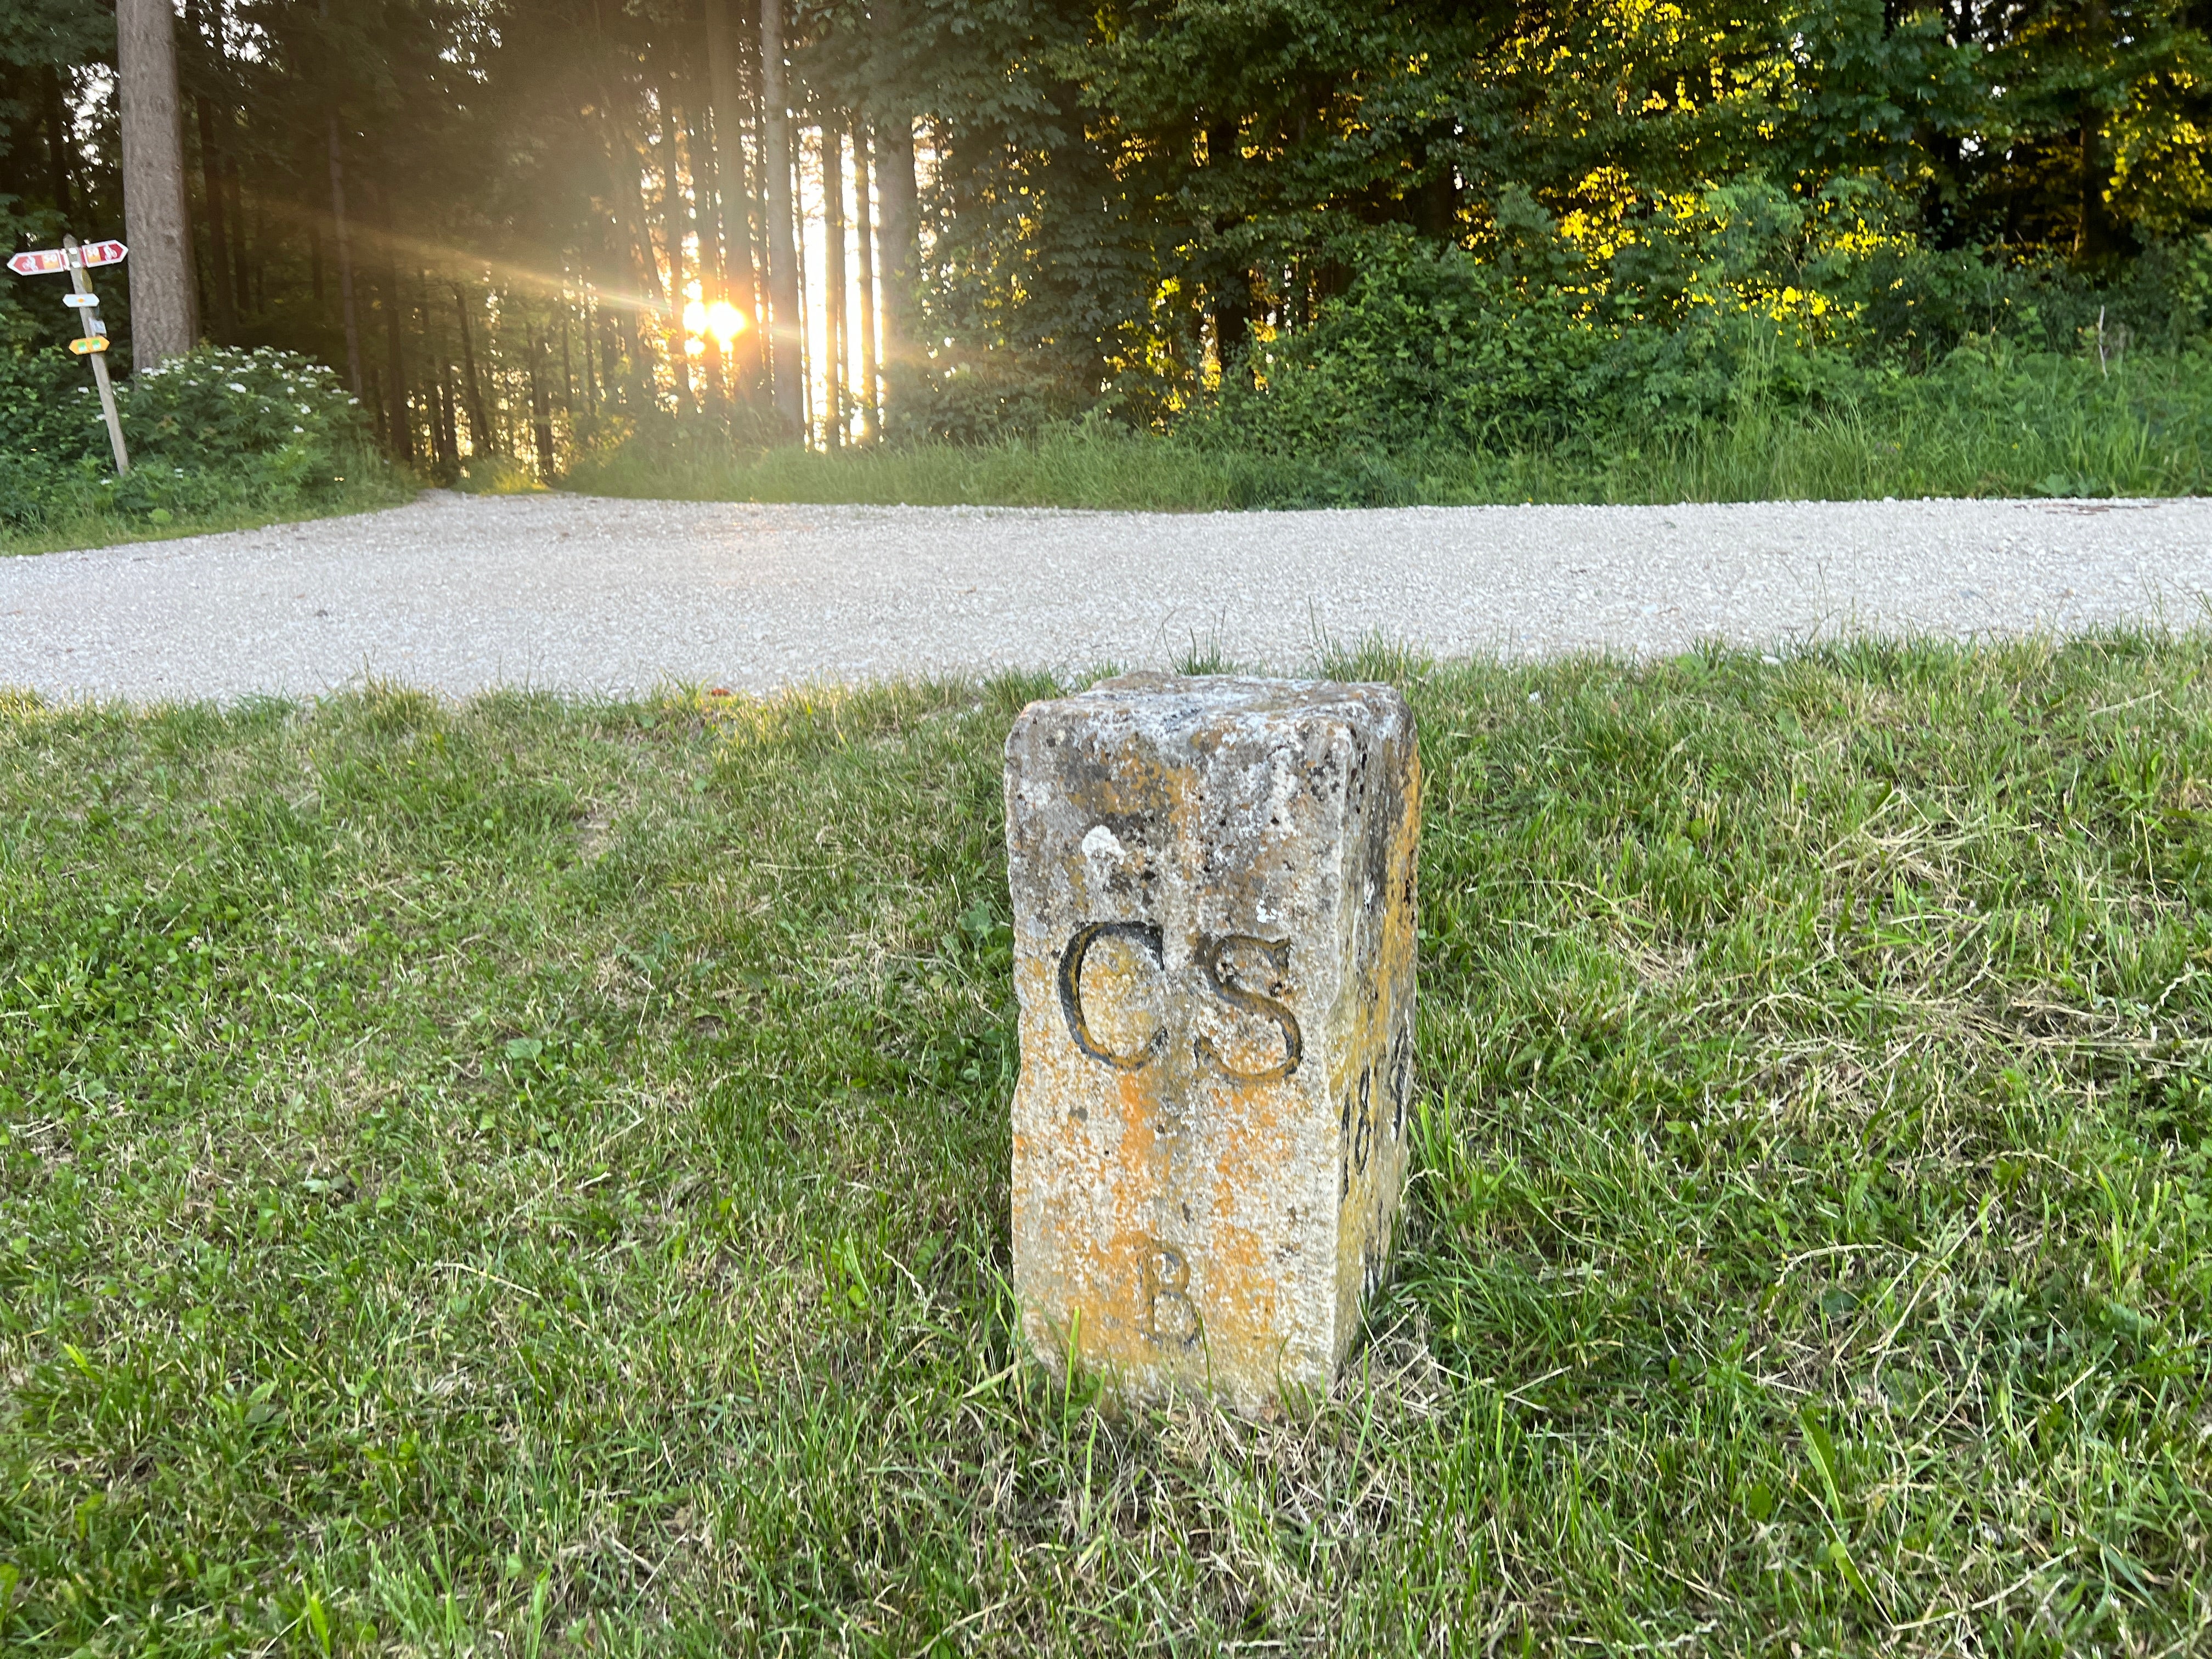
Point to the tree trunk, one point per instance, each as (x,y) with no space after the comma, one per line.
(646,267)
(164,320)
(739,277)
(797,185)
(786,326)
(449,436)
(541,416)
(621,323)
(568,364)
(863,235)
(241,283)
(591,329)
(1233,290)
(480,438)
(833,277)
(345,258)
(395,339)
(706,225)
(671,235)
(57,141)
(902,250)
(2092,237)
(217,268)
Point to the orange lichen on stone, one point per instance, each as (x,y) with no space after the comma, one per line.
(1213,887)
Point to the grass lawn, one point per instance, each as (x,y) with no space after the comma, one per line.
(531,1179)
(372,494)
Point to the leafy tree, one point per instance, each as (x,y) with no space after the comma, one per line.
(493,215)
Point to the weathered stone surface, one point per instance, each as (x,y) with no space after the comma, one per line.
(1213,886)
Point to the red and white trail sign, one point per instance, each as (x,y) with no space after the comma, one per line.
(46,261)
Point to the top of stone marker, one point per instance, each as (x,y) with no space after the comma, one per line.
(1174,699)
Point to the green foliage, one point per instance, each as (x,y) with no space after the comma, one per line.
(1242,143)
(1989,420)
(533,1177)
(47,48)
(1742,314)
(205,410)
(1127,207)
(216,431)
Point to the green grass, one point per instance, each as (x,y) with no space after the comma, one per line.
(2011,428)
(387,487)
(529,1178)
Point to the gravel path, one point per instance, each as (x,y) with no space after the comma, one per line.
(588,595)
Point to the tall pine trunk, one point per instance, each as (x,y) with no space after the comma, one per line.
(541,414)
(343,235)
(736,206)
(164,309)
(863,234)
(707,224)
(216,268)
(241,280)
(480,438)
(58,141)
(787,324)
(449,437)
(589,323)
(671,233)
(901,251)
(833,277)
(1233,290)
(645,267)
(806,364)
(402,422)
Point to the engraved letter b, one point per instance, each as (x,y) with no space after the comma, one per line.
(1172,1315)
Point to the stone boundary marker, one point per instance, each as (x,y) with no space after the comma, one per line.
(1213,894)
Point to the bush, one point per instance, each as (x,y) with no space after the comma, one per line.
(1749,305)
(218,430)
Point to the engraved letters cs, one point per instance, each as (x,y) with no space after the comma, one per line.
(1213,957)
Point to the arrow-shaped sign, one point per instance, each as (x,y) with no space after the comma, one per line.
(47,261)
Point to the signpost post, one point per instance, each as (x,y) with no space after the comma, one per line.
(73,257)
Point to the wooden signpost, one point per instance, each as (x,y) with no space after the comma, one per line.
(74,257)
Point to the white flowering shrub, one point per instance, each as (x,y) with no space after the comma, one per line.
(220,428)
(216,406)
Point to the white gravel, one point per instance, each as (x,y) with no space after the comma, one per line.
(586,595)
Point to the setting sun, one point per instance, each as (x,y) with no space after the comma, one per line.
(722,319)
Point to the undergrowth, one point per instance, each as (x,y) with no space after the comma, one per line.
(218,439)
(1992,423)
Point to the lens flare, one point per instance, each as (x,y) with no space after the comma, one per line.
(725,319)
(694,317)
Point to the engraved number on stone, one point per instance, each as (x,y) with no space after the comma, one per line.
(1169,1314)
(1355,1135)
(1363,1134)
(1223,977)
(1071,990)
(1401,1065)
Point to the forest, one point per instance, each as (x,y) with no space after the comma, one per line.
(537,237)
